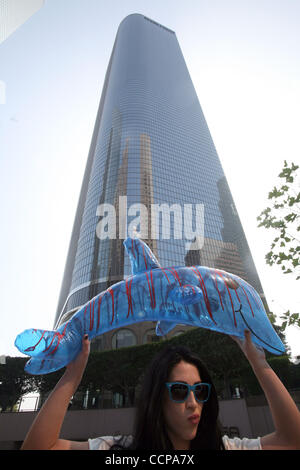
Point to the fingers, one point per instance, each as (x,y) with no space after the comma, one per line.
(249,341)
(235,338)
(243,342)
(76,367)
(247,337)
(86,344)
(239,340)
(251,350)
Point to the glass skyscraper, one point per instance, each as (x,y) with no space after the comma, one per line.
(150,146)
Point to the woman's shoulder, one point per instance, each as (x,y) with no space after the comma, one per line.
(106,442)
(236,443)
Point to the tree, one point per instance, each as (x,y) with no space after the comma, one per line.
(284,218)
(14,382)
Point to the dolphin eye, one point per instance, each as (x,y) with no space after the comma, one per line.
(231,283)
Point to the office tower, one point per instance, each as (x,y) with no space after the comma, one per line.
(150,146)
(14,13)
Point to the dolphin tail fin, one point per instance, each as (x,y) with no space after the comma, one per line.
(35,342)
(49,350)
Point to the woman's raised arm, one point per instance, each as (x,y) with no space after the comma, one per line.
(285,414)
(45,430)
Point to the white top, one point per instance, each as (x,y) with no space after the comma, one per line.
(106,442)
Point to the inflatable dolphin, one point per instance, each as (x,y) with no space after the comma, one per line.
(196,296)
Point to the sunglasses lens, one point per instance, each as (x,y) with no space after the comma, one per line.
(201,392)
(179,392)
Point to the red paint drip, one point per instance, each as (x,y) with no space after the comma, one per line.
(151,290)
(173,270)
(128,292)
(54,336)
(203,288)
(254,295)
(32,348)
(84,314)
(175,274)
(236,294)
(152,284)
(132,246)
(163,270)
(99,306)
(58,341)
(220,274)
(92,315)
(216,284)
(59,338)
(247,300)
(113,304)
(145,261)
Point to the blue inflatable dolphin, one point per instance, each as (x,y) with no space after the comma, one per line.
(196,296)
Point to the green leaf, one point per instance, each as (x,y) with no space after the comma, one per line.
(290,217)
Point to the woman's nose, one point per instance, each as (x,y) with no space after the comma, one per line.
(191,401)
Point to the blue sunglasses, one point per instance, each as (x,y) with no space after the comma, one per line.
(179,391)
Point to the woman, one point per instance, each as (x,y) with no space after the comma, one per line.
(178,407)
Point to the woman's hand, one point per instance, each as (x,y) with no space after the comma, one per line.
(77,367)
(254,354)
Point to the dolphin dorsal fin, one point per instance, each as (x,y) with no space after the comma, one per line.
(141,257)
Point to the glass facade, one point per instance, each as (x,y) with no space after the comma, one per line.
(151,145)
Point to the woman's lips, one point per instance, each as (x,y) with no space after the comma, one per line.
(194,419)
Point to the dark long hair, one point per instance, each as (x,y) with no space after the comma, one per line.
(149,431)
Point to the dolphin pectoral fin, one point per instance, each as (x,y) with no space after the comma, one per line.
(164,327)
(186,295)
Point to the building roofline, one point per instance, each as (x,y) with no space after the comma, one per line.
(146,18)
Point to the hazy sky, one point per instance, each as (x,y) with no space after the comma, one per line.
(243,58)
